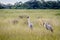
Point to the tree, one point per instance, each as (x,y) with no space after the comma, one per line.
(42,1)
(18,5)
(32,4)
(9,6)
(2,6)
(57,0)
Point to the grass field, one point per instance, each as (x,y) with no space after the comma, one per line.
(21,31)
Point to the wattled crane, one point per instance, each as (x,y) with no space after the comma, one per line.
(29,23)
(48,26)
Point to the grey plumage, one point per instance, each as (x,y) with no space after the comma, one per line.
(31,26)
(48,26)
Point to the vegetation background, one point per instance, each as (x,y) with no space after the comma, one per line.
(32,4)
(21,31)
